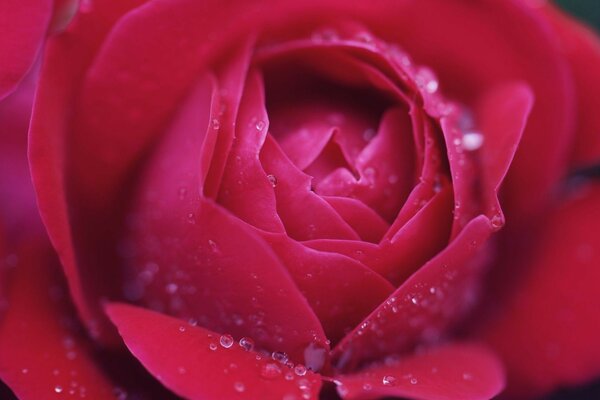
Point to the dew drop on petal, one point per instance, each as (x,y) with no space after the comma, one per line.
(246,343)
(389,380)
(226,341)
(472,141)
(58,389)
(239,387)
(212,346)
(272,180)
(300,370)
(414,381)
(270,371)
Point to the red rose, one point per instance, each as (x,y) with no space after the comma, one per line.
(300,201)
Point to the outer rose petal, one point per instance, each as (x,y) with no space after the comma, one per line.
(547,333)
(23,24)
(582,49)
(196,364)
(449,372)
(425,306)
(42,353)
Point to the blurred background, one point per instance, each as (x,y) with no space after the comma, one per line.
(588,10)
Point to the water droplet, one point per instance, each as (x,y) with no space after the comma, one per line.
(279,357)
(171,288)
(389,380)
(213,246)
(182,328)
(260,125)
(414,300)
(272,180)
(58,389)
(300,370)
(226,341)
(212,346)
(246,343)
(191,218)
(427,80)
(239,387)
(367,386)
(270,371)
(497,221)
(432,290)
(215,124)
(472,141)
(413,381)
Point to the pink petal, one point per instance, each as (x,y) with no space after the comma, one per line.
(23,24)
(366,222)
(547,331)
(210,266)
(503,114)
(200,364)
(245,189)
(431,300)
(66,59)
(304,213)
(330,282)
(42,352)
(449,372)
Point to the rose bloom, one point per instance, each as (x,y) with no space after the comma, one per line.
(297,199)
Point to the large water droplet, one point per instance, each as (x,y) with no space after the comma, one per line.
(246,343)
(226,341)
(300,370)
(58,389)
(389,380)
(472,141)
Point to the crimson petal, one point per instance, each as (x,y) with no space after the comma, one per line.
(433,298)
(42,351)
(199,364)
(547,332)
(450,372)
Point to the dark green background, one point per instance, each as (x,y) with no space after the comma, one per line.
(587,10)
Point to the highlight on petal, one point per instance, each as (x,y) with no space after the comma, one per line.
(42,351)
(547,330)
(456,371)
(199,364)
(23,24)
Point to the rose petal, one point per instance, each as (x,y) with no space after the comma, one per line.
(582,48)
(200,364)
(366,222)
(245,189)
(502,114)
(66,59)
(547,331)
(449,372)
(304,213)
(217,271)
(334,299)
(23,24)
(433,298)
(42,352)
